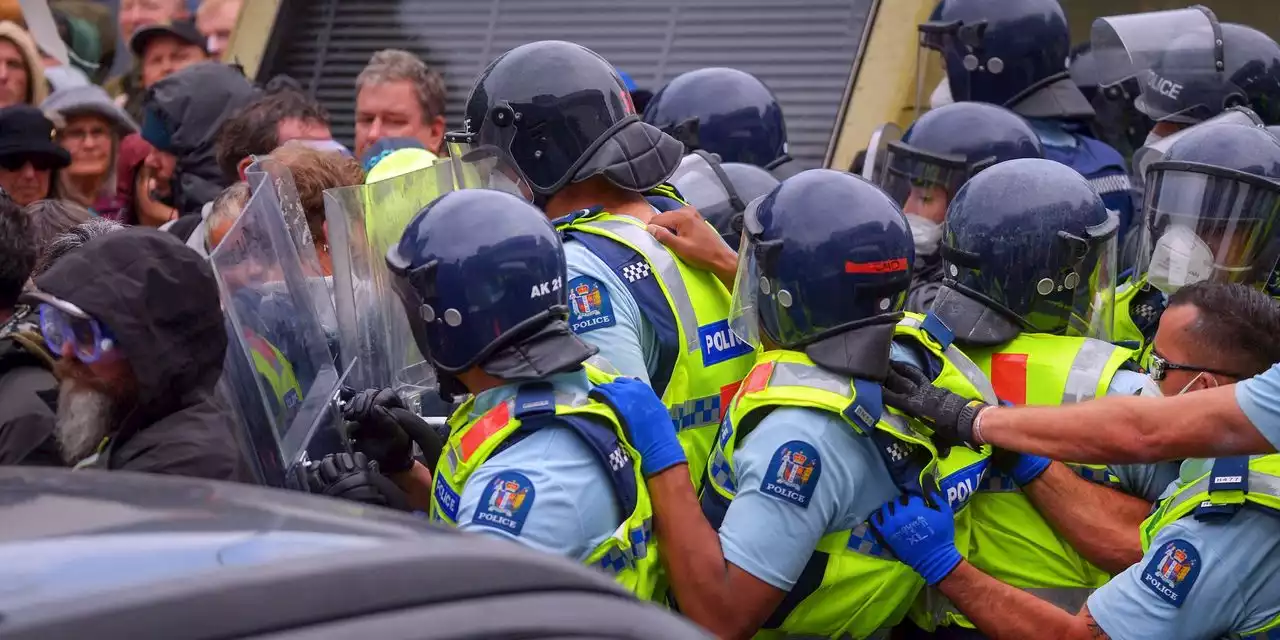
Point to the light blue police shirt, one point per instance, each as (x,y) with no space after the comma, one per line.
(1146,481)
(1259,398)
(548,491)
(1197,580)
(771,534)
(603,312)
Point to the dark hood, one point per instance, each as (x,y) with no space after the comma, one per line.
(194,102)
(160,300)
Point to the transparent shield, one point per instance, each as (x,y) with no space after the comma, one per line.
(484,167)
(1205,227)
(274,326)
(744,310)
(364,222)
(873,167)
(1096,301)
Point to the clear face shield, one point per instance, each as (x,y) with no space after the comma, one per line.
(935,39)
(749,283)
(877,158)
(1079,300)
(1151,153)
(1177,56)
(1207,224)
(704,185)
(923,183)
(484,166)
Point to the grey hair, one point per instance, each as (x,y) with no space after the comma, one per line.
(73,239)
(51,217)
(227,207)
(392,65)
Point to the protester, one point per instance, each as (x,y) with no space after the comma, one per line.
(50,218)
(182,113)
(128,88)
(268,122)
(137,319)
(398,95)
(21,70)
(165,49)
(135,186)
(90,127)
(313,172)
(216,19)
(27,385)
(226,209)
(29,157)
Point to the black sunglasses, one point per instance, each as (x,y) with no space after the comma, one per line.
(38,162)
(1160,367)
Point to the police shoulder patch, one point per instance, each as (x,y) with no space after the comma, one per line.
(589,305)
(1172,571)
(793,473)
(505,503)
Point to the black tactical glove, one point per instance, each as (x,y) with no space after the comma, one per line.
(950,415)
(380,427)
(354,477)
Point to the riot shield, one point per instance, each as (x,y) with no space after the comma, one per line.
(878,150)
(280,372)
(363,223)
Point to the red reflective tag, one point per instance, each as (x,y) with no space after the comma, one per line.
(758,379)
(488,424)
(884,266)
(1009,377)
(727,393)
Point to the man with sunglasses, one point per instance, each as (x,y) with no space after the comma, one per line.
(29,154)
(1212,540)
(135,318)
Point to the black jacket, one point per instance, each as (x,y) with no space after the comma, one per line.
(28,397)
(194,102)
(160,300)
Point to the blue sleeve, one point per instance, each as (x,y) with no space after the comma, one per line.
(1259,398)
(1195,582)
(1146,481)
(801,474)
(548,491)
(603,313)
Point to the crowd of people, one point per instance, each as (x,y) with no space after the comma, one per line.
(1019,378)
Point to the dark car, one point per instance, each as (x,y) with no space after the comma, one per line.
(103,555)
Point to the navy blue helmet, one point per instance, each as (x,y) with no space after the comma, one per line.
(724,111)
(823,253)
(478,270)
(949,145)
(1187,85)
(557,113)
(1013,54)
(1029,246)
(1118,123)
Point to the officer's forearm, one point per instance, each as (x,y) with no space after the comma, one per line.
(1127,429)
(691,552)
(416,483)
(1002,612)
(1099,522)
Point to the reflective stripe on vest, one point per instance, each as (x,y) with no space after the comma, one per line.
(658,258)
(1262,483)
(619,560)
(794,374)
(1087,369)
(972,372)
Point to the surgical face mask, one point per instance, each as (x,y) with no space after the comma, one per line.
(926,234)
(1180,258)
(941,95)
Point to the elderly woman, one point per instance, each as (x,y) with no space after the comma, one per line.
(90,127)
(314,171)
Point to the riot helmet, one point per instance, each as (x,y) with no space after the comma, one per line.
(824,253)
(1029,246)
(1118,122)
(550,113)
(481,275)
(1190,67)
(1212,206)
(941,151)
(727,112)
(720,191)
(1013,54)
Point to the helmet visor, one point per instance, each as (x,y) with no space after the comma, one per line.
(1149,154)
(477,166)
(1207,224)
(704,186)
(1078,300)
(748,284)
(918,180)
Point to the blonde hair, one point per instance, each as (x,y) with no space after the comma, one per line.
(314,171)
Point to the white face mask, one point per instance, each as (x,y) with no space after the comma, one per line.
(941,95)
(1180,258)
(926,234)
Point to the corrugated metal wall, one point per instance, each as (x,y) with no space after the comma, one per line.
(803,49)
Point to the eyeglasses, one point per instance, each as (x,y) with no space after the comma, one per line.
(1160,367)
(88,338)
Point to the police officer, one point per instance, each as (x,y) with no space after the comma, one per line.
(530,456)
(807,450)
(1118,122)
(942,150)
(727,112)
(1014,54)
(558,120)
(1029,250)
(720,191)
(1210,214)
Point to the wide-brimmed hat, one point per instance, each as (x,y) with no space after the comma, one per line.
(89,99)
(26,132)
